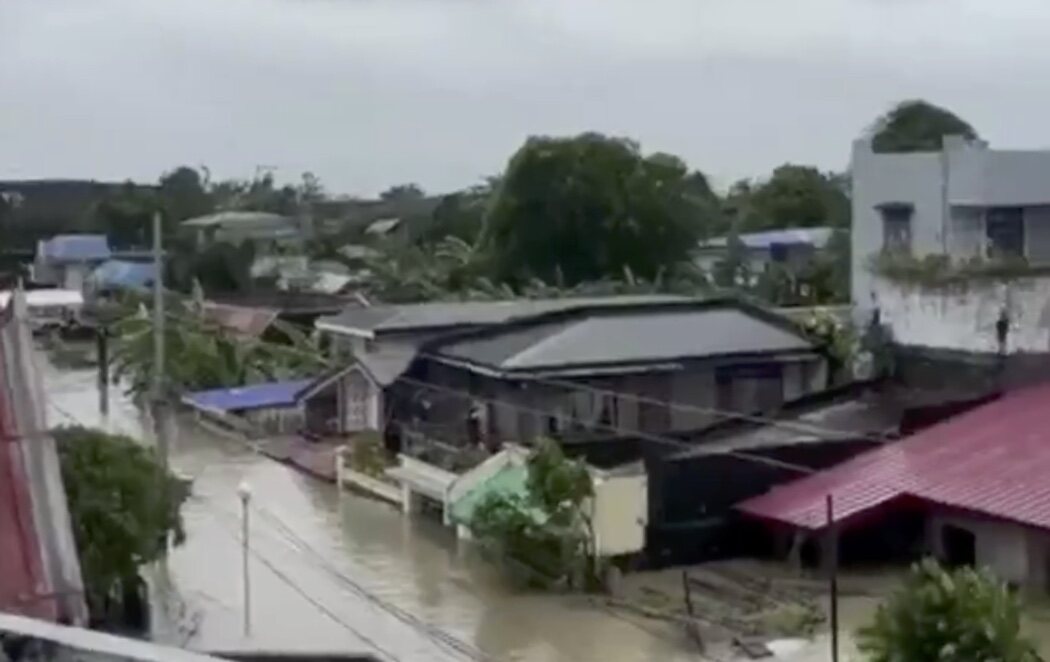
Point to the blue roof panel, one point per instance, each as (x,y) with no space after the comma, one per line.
(77,247)
(255,396)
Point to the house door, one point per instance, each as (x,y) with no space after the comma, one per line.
(959,546)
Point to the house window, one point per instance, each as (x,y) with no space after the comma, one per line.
(896,228)
(1005,232)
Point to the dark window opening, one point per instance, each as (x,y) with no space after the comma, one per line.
(959,546)
(896,228)
(1005,231)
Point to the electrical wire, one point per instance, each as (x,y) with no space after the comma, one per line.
(309,598)
(804,428)
(433,633)
(648,436)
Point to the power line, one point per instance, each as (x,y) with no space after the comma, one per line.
(281,575)
(677,443)
(805,428)
(437,635)
(309,598)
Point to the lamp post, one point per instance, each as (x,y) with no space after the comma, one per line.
(244,491)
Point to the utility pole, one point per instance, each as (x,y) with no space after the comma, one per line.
(833,577)
(102,340)
(244,491)
(160,410)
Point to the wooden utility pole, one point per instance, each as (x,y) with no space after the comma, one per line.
(833,579)
(160,404)
(102,345)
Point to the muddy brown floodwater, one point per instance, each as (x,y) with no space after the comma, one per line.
(433,599)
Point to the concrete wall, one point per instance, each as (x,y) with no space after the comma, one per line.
(620,513)
(963,317)
(1015,553)
(916,179)
(949,191)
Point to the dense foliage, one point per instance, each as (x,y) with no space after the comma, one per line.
(124,508)
(578,209)
(947,616)
(918,126)
(793,196)
(200,354)
(546,532)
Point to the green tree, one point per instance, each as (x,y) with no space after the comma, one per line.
(585,208)
(125,216)
(918,126)
(793,196)
(124,508)
(941,616)
(201,354)
(546,531)
(183,194)
(403,192)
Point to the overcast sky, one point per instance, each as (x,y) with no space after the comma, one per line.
(367,93)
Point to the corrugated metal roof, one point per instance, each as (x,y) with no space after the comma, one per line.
(255,396)
(124,274)
(817,237)
(628,336)
(992,460)
(243,320)
(235,219)
(387,319)
(383,226)
(77,247)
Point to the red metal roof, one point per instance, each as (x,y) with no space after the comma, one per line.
(22,574)
(994,459)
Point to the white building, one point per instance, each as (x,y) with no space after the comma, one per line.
(972,204)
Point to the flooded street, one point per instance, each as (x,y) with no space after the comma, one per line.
(319,555)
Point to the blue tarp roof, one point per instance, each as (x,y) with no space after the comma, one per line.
(123,274)
(816,237)
(255,396)
(77,247)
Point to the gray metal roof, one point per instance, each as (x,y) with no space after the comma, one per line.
(234,219)
(864,416)
(409,317)
(628,336)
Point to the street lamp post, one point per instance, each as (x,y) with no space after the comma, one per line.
(244,491)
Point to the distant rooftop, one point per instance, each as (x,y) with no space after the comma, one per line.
(235,218)
(588,339)
(255,396)
(816,237)
(375,320)
(76,247)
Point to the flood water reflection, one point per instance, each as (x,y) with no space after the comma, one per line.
(318,555)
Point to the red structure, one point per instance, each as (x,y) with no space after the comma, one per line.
(39,571)
(992,461)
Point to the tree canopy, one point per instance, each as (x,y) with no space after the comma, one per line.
(575,209)
(942,616)
(123,506)
(918,126)
(793,196)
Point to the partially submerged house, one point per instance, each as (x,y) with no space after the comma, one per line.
(969,490)
(67,260)
(268,408)
(612,369)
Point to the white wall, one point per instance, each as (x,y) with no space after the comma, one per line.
(620,513)
(948,191)
(964,316)
(1013,552)
(880,178)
